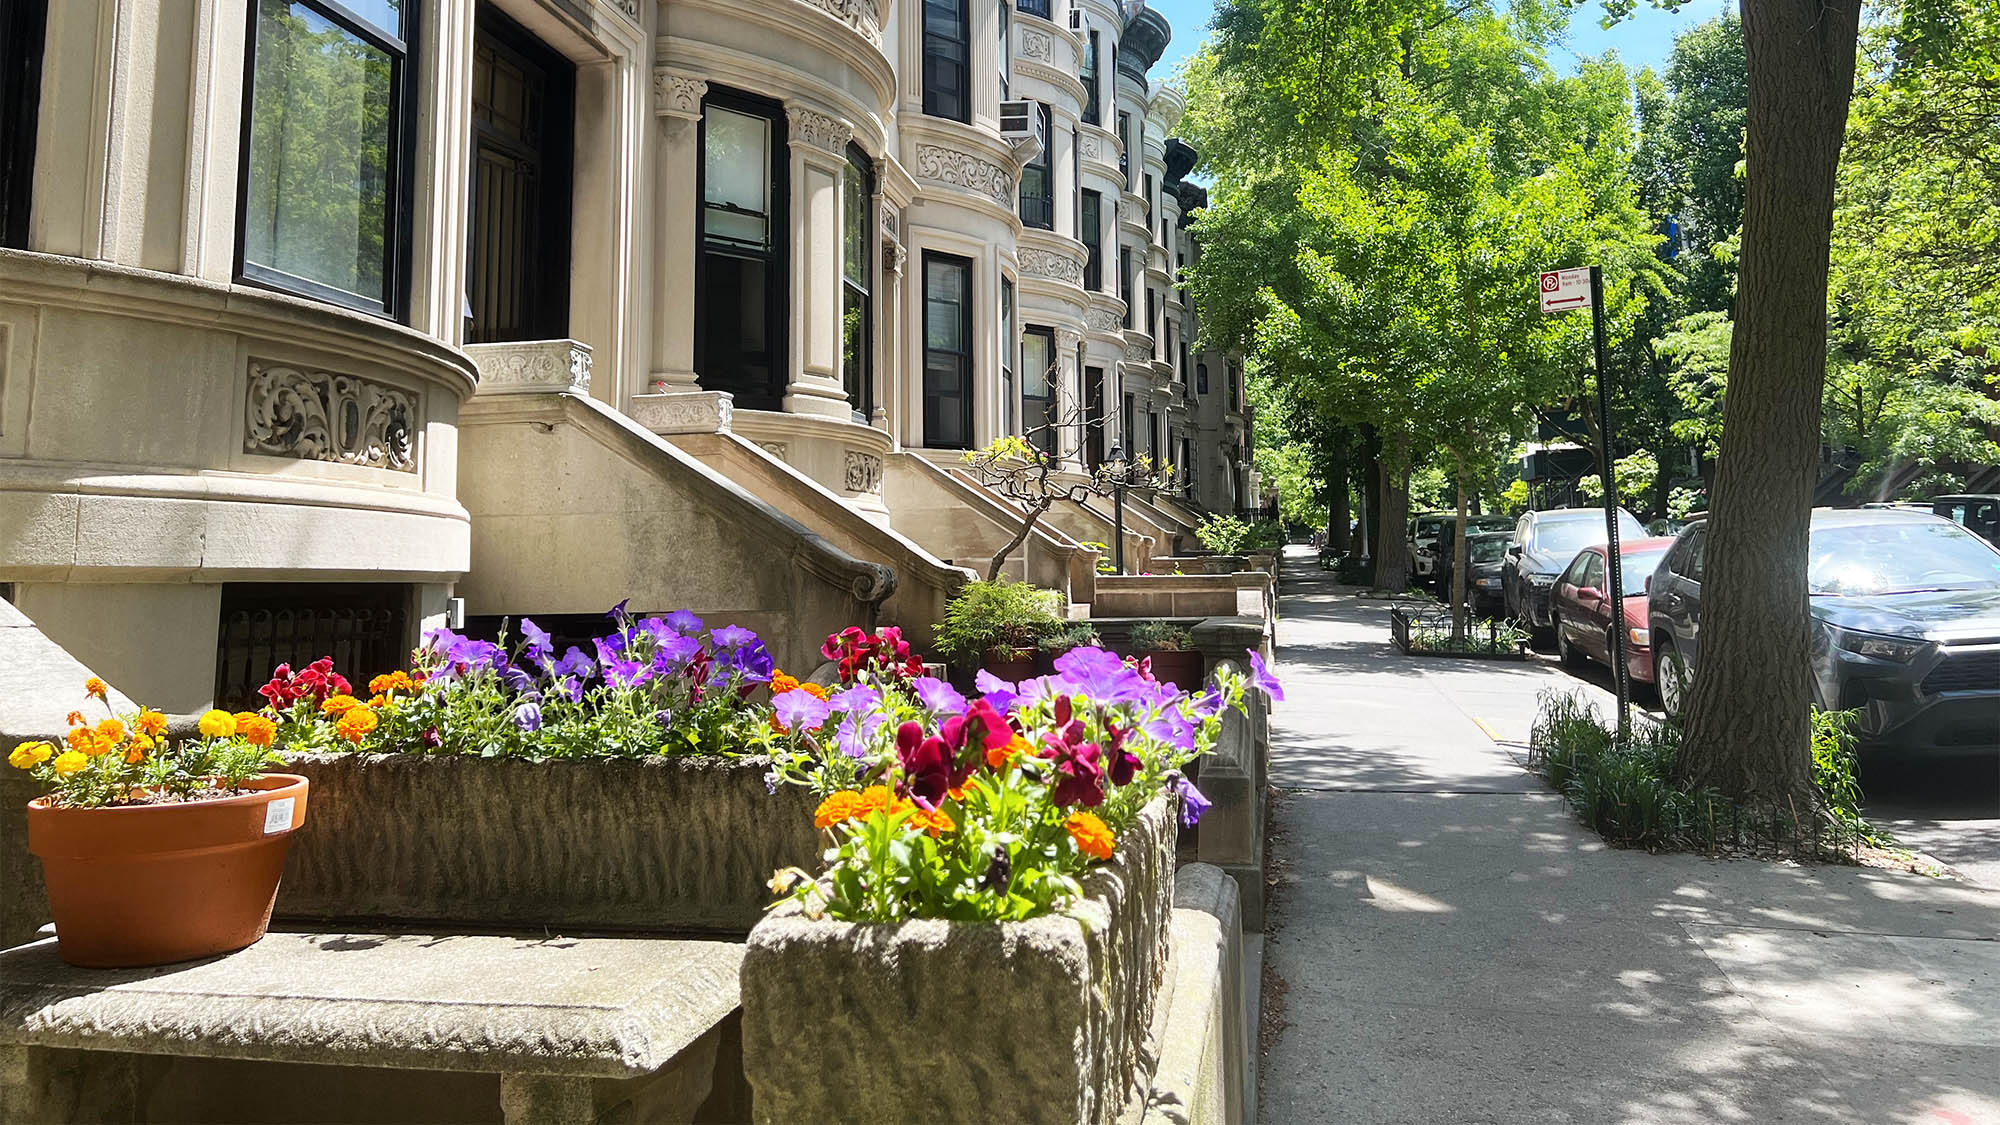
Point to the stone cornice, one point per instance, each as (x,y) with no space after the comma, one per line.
(954,168)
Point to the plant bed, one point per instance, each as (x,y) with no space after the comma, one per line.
(1036,1020)
(1427,632)
(1169,652)
(156,850)
(674,843)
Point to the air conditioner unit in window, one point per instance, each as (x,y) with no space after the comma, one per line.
(1022,120)
(1076,19)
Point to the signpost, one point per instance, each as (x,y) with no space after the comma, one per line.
(1567,291)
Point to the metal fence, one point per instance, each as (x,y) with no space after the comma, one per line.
(363,627)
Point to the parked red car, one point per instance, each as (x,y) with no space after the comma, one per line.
(1582,612)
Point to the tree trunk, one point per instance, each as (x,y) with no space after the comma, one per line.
(1747,726)
(1392,554)
(1371,490)
(1338,536)
(1032,513)
(1460,551)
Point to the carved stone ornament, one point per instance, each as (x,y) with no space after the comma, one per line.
(810,127)
(676,94)
(963,170)
(629,7)
(320,416)
(1036,45)
(1103,320)
(1138,353)
(1047,263)
(534,366)
(861,15)
(864,472)
(1068,340)
(776,449)
(893,256)
(685,412)
(1090,145)
(891,219)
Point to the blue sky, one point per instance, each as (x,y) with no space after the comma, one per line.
(1644,39)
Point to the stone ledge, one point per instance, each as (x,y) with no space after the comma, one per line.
(577,1007)
(1201,1036)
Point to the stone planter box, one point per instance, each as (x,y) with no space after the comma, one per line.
(965,1021)
(659,844)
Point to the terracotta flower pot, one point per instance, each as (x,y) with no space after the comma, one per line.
(1181,669)
(153,884)
(1001,663)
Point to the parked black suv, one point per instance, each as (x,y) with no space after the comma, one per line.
(1544,545)
(1906,626)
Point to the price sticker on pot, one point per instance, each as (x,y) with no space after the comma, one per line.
(278,815)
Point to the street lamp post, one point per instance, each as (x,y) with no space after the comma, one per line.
(1117,470)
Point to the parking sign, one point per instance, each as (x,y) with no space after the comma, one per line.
(1566,290)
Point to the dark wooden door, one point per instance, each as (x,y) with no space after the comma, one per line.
(523,102)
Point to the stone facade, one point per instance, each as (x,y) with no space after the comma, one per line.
(1042,1020)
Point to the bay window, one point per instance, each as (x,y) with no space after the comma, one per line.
(740,324)
(947,54)
(857,335)
(1038,208)
(947,351)
(324,192)
(1008,350)
(1090,229)
(1091,116)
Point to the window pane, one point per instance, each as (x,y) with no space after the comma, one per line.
(386,15)
(944,296)
(854,233)
(737,176)
(318,205)
(1037,355)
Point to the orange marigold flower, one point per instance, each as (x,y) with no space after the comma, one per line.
(135,752)
(96,688)
(998,757)
(839,808)
(152,722)
(338,704)
(878,798)
(111,729)
(1092,837)
(782,682)
(934,821)
(80,738)
(256,729)
(98,744)
(817,691)
(355,723)
(74,718)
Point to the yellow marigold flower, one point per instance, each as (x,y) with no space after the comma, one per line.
(96,688)
(69,761)
(356,722)
(28,755)
(152,722)
(111,730)
(1092,837)
(339,704)
(74,718)
(934,821)
(217,724)
(256,729)
(838,808)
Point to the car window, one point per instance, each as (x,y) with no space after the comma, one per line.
(1902,556)
(1636,567)
(1574,575)
(1593,571)
(1488,550)
(1697,552)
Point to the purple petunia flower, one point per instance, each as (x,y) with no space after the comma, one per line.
(751,659)
(801,711)
(684,622)
(1001,694)
(855,734)
(1100,675)
(939,698)
(1172,728)
(856,700)
(528,716)
(732,636)
(617,612)
(1209,705)
(1193,804)
(540,646)
(1261,677)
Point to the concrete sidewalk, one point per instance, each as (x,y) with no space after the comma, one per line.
(1447,945)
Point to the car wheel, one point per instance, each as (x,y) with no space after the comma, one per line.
(1671,678)
(1569,654)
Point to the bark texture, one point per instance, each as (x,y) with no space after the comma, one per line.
(1338,535)
(1747,728)
(1392,522)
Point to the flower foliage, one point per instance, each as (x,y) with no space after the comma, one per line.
(130,759)
(654,685)
(936,806)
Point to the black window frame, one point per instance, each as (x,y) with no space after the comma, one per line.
(399,177)
(1033,7)
(23,42)
(1125,281)
(1090,231)
(1045,440)
(859,384)
(549,274)
(1088,72)
(1093,417)
(777,294)
(1039,210)
(940,258)
(1010,356)
(1201,378)
(938,48)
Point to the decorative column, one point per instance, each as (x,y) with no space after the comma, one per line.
(819,160)
(677,102)
(888,327)
(1069,397)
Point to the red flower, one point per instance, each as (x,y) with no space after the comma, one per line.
(927,765)
(1079,765)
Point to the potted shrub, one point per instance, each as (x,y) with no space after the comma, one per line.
(1223,537)
(155,850)
(994,625)
(997,876)
(1169,651)
(1076,634)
